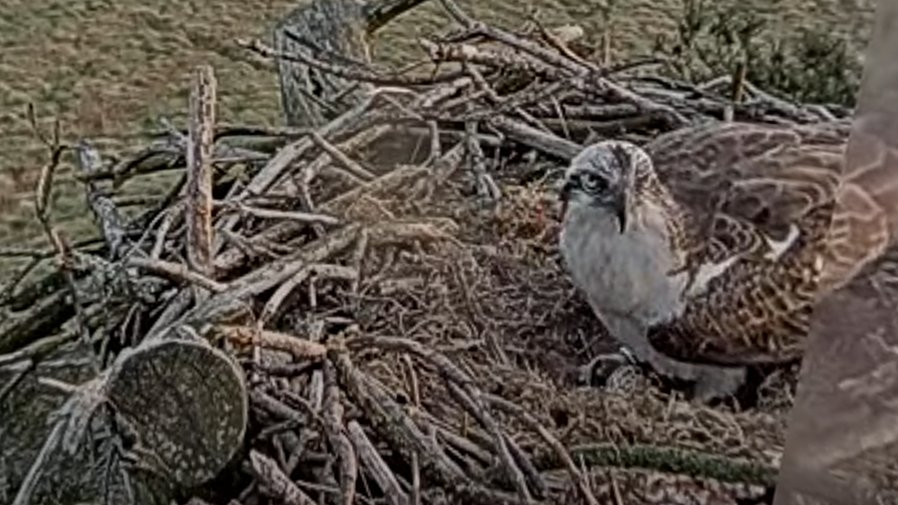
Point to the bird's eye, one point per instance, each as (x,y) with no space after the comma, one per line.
(592,182)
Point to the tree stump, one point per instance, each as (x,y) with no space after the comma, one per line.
(328,30)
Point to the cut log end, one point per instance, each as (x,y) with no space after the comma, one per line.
(186,403)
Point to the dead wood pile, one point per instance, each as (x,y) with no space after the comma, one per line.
(370,311)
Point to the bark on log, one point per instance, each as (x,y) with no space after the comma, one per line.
(332,30)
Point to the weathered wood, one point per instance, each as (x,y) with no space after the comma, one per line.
(332,27)
(276,484)
(375,464)
(179,411)
(111,221)
(25,408)
(331,30)
(44,317)
(380,12)
(200,143)
(186,403)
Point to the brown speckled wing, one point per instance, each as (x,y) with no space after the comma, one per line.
(756,313)
(767,175)
(743,184)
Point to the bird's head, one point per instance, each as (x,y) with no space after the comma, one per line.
(604,176)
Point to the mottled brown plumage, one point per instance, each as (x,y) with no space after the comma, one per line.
(738,215)
(742,188)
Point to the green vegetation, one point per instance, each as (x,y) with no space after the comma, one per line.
(813,63)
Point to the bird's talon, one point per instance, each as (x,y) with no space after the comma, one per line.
(628,355)
(600,368)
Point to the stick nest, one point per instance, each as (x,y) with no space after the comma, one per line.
(390,288)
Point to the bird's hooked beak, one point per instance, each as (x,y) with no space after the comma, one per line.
(564,189)
(620,210)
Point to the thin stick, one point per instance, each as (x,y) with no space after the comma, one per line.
(348,72)
(275,483)
(415,393)
(176,271)
(162,232)
(348,163)
(299,348)
(560,451)
(333,427)
(385,478)
(284,290)
(42,206)
(302,217)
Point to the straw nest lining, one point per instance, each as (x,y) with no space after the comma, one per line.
(388,298)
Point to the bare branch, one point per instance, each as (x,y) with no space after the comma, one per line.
(274,483)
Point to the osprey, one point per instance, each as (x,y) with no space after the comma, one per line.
(702,252)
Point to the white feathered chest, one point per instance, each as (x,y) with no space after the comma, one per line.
(622,274)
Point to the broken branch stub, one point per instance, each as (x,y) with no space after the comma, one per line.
(111,221)
(200,146)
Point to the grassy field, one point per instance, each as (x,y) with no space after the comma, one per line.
(110,68)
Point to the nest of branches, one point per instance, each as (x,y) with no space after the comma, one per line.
(369,312)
